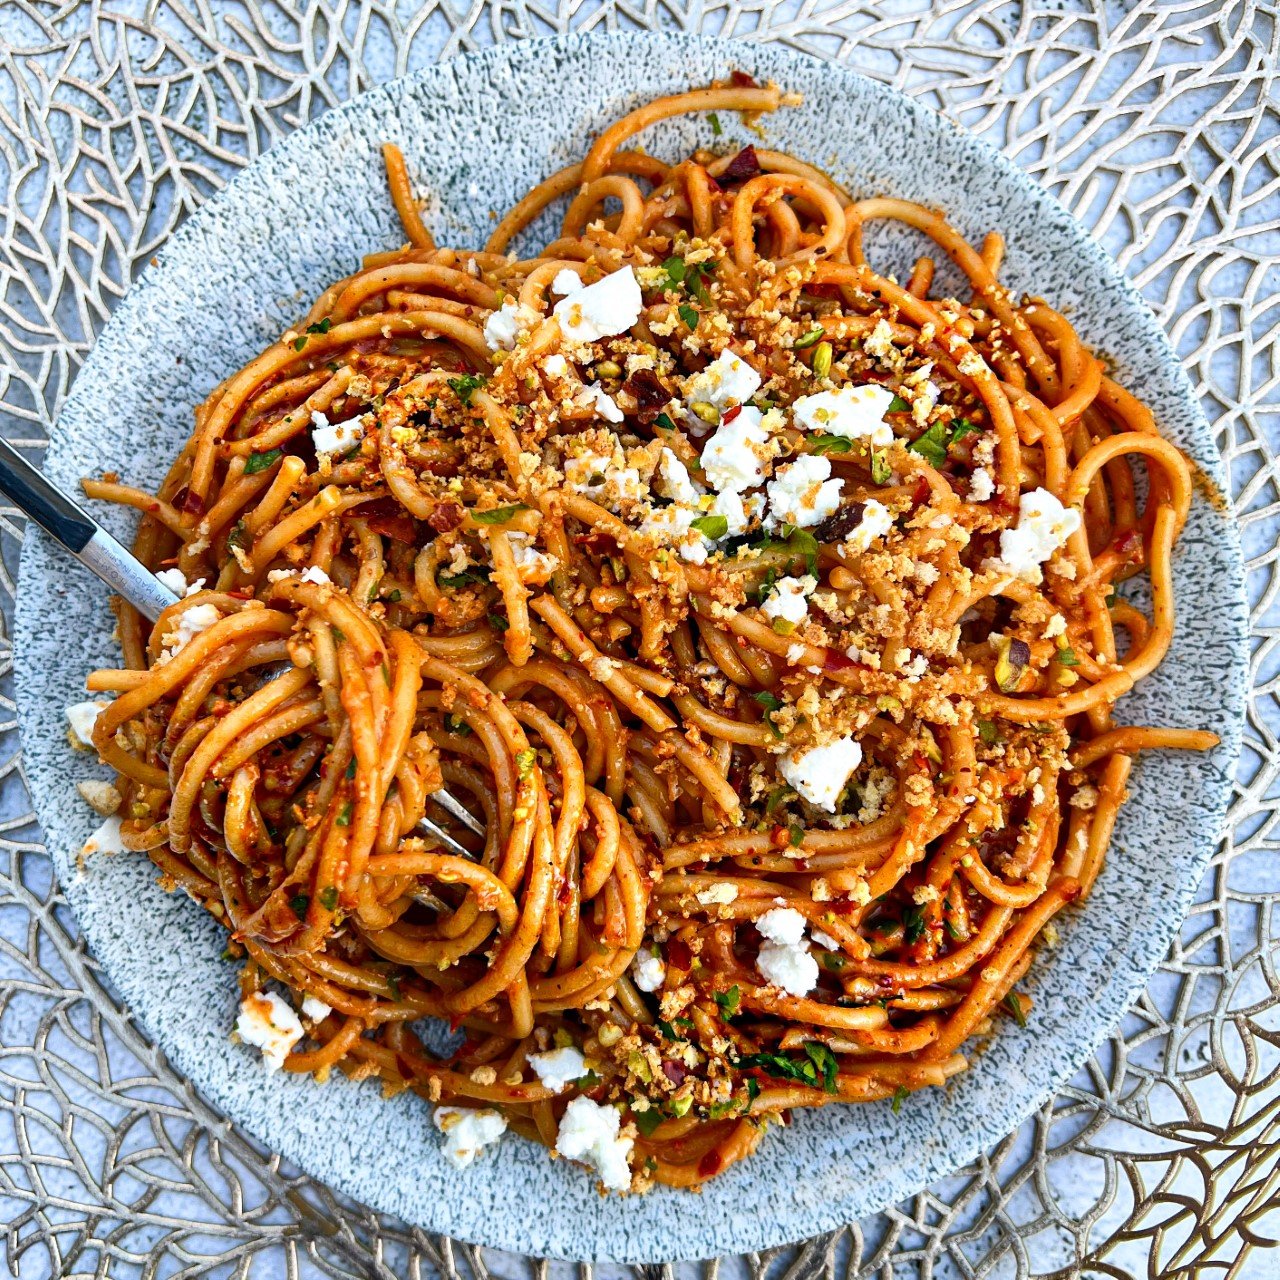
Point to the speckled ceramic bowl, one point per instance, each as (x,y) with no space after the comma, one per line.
(478,132)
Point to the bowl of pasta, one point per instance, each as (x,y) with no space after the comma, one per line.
(705,653)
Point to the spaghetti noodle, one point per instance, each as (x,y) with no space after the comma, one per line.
(763,606)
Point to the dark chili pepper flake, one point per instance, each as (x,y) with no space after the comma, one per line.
(674,1071)
(729,414)
(741,80)
(649,391)
(710,1164)
(840,523)
(446,517)
(743,167)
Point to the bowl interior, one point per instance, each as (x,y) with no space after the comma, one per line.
(477,132)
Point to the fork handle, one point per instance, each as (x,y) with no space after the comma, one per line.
(72,527)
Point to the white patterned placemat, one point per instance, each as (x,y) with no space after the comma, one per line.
(1156,123)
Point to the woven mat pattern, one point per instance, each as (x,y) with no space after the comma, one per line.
(1156,122)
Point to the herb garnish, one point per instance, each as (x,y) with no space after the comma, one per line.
(465,386)
(728,1002)
(817,1069)
(712,527)
(932,446)
(1014,1005)
(256,462)
(300,903)
(329,897)
(499,515)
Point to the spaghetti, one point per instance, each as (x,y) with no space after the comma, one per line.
(763,606)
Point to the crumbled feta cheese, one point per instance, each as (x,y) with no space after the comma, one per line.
(788,600)
(795,654)
(856,413)
(467,1131)
(819,774)
(825,940)
(1044,525)
(597,476)
(191,622)
(313,573)
(671,526)
(559,1068)
(566,281)
(597,398)
(176,581)
(783,925)
(734,458)
(726,381)
(784,960)
(335,437)
(315,1010)
(1056,626)
(533,567)
(589,1132)
(81,717)
(924,403)
(506,324)
(737,512)
(717,895)
(981,486)
(673,480)
(648,971)
(107,839)
(802,493)
(875,523)
(601,310)
(556,366)
(267,1021)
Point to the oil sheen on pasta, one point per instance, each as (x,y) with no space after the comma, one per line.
(762,604)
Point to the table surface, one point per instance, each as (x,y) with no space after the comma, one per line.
(1156,123)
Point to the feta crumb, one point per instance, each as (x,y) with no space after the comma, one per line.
(1056,626)
(1044,525)
(787,599)
(467,1131)
(802,493)
(566,281)
(856,413)
(981,485)
(734,458)
(673,480)
(597,398)
(648,971)
(596,476)
(313,573)
(335,437)
(795,655)
(559,1068)
(176,581)
(672,526)
(533,567)
(825,940)
(876,521)
(784,960)
(717,895)
(601,310)
(589,1132)
(107,839)
(556,366)
(726,381)
(504,326)
(269,1023)
(81,717)
(315,1010)
(819,774)
(735,510)
(191,622)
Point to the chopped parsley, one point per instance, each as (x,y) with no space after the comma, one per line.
(344,815)
(817,1068)
(912,924)
(932,446)
(479,573)
(688,315)
(728,1002)
(329,897)
(714,120)
(647,1121)
(898,1094)
(465,386)
(1014,1005)
(261,461)
(300,902)
(499,515)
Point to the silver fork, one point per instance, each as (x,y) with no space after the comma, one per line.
(76,531)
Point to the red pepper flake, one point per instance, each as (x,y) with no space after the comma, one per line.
(743,167)
(678,954)
(741,80)
(446,517)
(710,1164)
(920,492)
(837,661)
(730,414)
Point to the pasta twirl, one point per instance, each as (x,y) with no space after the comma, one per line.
(760,603)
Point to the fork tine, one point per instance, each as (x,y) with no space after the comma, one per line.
(428,827)
(460,811)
